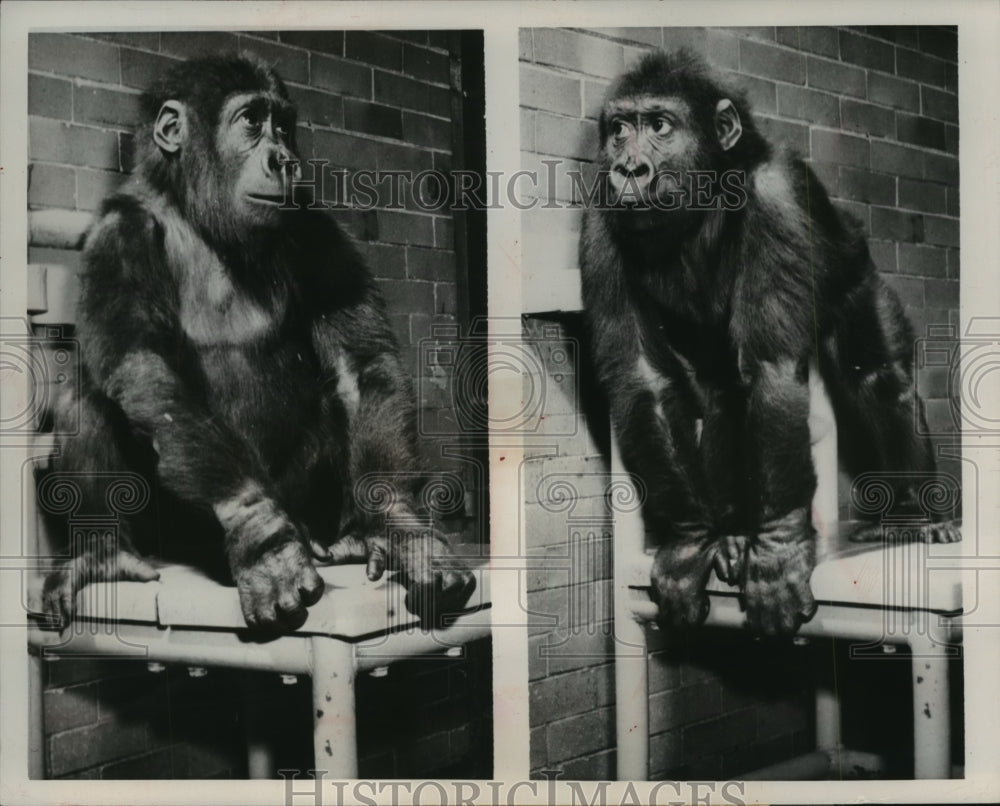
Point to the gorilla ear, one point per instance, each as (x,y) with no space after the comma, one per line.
(170,129)
(727,124)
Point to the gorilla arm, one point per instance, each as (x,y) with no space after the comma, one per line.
(773,328)
(359,356)
(654,420)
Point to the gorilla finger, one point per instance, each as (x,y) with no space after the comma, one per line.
(55,615)
(287,598)
(469,584)
(723,567)
(135,568)
(457,579)
(292,612)
(288,601)
(319,551)
(267,616)
(348,549)
(456,596)
(67,608)
(311,586)
(249,608)
(946,533)
(450,579)
(376,563)
(295,619)
(808,607)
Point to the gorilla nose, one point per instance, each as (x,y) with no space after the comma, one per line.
(281,162)
(638,173)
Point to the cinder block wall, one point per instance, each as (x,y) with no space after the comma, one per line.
(875,111)
(367,100)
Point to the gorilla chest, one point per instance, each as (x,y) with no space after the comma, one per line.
(695,339)
(258,375)
(214,312)
(265,391)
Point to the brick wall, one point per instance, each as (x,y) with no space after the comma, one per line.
(115,719)
(367,100)
(875,112)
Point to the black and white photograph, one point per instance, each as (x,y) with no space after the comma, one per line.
(747,249)
(499,403)
(257,549)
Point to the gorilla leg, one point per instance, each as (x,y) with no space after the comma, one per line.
(94,459)
(881,427)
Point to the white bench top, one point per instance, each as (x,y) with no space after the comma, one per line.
(351,606)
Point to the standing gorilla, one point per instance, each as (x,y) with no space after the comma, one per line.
(715,272)
(236,353)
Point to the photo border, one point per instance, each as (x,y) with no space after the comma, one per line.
(979,75)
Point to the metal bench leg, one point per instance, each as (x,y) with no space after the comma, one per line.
(827,698)
(36,723)
(335,739)
(261,763)
(631,671)
(931,710)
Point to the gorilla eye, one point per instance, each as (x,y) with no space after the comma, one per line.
(619,129)
(251,119)
(661,125)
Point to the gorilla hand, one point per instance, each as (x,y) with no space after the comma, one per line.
(102,564)
(270,564)
(680,572)
(779,562)
(437,581)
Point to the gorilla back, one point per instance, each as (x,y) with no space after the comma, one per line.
(714,272)
(236,352)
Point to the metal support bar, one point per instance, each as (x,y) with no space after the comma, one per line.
(631,670)
(827,699)
(931,709)
(261,763)
(208,648)
(335,740)
(36,724)
(387,649)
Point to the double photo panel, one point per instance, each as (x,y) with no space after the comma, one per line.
(260,344)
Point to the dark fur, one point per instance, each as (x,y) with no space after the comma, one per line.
(728,308)
(257,424)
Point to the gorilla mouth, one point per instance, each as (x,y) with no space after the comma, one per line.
(264,198)
(632,203)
